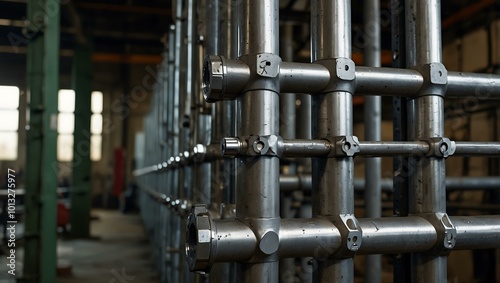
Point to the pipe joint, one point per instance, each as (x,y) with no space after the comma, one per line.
(254,145)
(441,147)
(264,72)
(342,74)
(346,146)
(446,232)
(435,78)
(351,235)
(223,79)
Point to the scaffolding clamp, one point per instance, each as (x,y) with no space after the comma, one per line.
(346,146)
(435,79)
(351,235)
(254,145)
(446,232)
(342,74)
(441,147)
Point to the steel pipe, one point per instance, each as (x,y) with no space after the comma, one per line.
(473,86)
(224,78)
(377,148)
(477,148)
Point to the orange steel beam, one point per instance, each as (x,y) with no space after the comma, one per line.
(126,58)
(124,8)
(467,12)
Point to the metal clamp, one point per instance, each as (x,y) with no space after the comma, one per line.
(446,232)
(264,71)
(345,145)
(351,233)
(254,145)
(342,74)
(441,147)
(269,145)
(435,79)
(199,235)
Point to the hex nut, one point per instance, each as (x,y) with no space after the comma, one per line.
(213,78)
(199,239)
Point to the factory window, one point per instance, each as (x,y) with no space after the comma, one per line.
(9,115)
(66,125)
(96,126)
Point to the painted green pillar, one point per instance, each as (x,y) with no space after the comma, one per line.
(41,165)
(81,184)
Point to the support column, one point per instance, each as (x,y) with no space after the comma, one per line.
(40,256)
(426,120)
(257,190)
(333,187)
(373,121)
(81,185)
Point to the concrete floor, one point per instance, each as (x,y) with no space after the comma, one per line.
(120,253)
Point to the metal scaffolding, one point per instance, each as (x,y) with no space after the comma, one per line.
(234,194)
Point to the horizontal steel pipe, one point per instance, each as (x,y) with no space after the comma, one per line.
(396,235)
(303,77)
(477,232)
(212,241)
(381,148)
(387,81)
(477,148)
(224,78)
(234,240)
(304,237)
(479,86)
(304,182)
(306,148)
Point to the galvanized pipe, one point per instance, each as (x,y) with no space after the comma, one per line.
(257,190)
(373,131)
(426,120)
(332,116)
(303,182)
(314,78)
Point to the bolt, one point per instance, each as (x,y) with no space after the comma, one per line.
(443,148)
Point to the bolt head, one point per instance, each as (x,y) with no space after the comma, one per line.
(213,78)
(199,239)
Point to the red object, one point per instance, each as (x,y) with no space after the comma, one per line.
(119,171)
(62,214)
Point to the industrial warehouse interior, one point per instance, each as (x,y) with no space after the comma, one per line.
(169,141)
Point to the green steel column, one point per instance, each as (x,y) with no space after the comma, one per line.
(41,166)
(81,186)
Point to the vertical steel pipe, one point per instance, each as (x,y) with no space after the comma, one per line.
(333,188)
(425,120)
(287,131)
(373,121)
(257,190)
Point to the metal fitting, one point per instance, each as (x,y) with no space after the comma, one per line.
(269,145)
(441,147)
(446,232)
(223,79)
(264,69)
(342,74)
(213,82)
(199,235)
(346,145)
(435,79)
(231,146)
(351,235)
